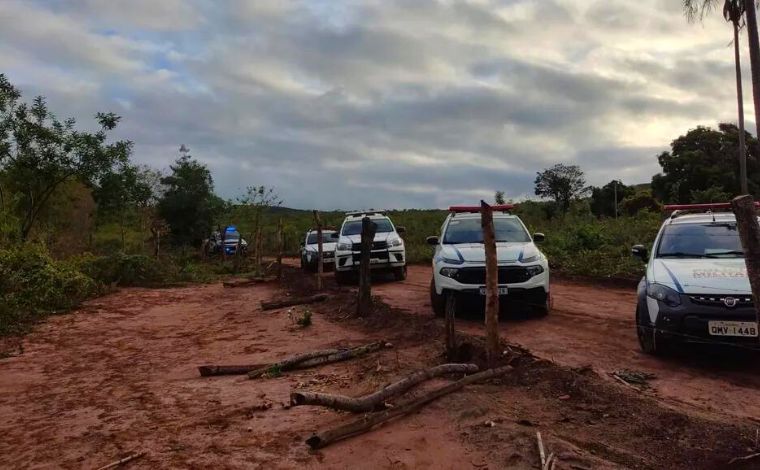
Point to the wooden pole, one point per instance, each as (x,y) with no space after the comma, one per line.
(280,248)
(749,233)
(258,258)
(740,101)
(364,303)
(451,334)
(492,283)
(320,265)
(223,234)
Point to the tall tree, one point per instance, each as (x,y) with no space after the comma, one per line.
(562,184)
(606,200)
(189,204)
(704,159)
(39,153)
(733,12)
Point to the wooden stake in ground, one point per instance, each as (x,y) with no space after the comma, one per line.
(280,248)
(367,422)
(451,334)
(259,255)
(293,301)
(749,233)
(377,400)
(364,301)
(320,265)
(492,283)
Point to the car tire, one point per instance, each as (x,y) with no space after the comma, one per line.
(400,273)
(543,310)
(342,277)
(437,301)
(303,264)
(650,341)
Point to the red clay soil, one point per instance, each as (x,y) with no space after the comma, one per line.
(593,326)
(120,376)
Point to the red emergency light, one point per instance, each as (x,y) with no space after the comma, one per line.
(710,206)
(500,207)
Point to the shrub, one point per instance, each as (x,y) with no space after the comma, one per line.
(125,270)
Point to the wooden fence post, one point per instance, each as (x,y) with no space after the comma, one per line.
(364,303)
(258,258)
(451,334)
(223,234)
(492,283)
(320,265)
(749,233)
(280,248)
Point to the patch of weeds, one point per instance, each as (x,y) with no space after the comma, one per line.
(274,371)
(301,319)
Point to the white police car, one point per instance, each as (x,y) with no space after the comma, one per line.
(459,260)
(310,250)
(388,250)
(696,287)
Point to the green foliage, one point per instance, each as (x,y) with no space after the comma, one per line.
(641,200)
(38,153)
(704,163)
(562,184)
(125,270)
(32,284)
(603,199)
(189,203)
(305,319)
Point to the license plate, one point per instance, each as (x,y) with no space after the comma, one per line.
(376,261)
(502,291)
(732,328)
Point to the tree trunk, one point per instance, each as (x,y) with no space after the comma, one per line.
(280,248)
(754,57)
(294,301)
(309,359)
(492,283)
(366,423)
(364,303)
(451,334)
(209,371)
(377,400)
(320,265)
(740,104)
(749,233)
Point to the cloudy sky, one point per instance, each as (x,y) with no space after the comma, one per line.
(381,103)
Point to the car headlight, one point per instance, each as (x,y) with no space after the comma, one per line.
(535,270)
(531,259)
(396,242)
(664,294)
(345,246)
(449,272)
(443,259)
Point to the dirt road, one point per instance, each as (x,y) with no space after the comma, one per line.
(593,325)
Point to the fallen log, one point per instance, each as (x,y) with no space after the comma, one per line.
(369,421)
(248,282)
(211,370)
(314,358)
(294,301)
(122,461)
(376,400)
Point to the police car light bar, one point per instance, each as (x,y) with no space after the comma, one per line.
(500,207)
(693,207)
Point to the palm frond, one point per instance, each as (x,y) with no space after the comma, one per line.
(696,10)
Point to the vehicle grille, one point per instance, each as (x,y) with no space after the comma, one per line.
(381,245)
(719,300)
(507,275)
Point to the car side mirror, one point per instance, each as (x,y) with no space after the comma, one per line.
(400,229)
(432,241)
(335,235)
(538,237)
(640,251)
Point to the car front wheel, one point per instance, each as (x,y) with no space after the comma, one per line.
(400,273)
(437,301)
(650,341)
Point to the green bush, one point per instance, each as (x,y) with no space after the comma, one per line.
(33,284)
(124,269)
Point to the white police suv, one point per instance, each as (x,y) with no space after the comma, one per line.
(696,287)
(459,260)
(388,250)
(310,250)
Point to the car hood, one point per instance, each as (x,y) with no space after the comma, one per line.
(506,252)
(379,237)
(702,276)
(326,246)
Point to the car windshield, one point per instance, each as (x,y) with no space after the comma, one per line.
(354,227)
(231,235)
(470,231)
(711,240)
(312,238)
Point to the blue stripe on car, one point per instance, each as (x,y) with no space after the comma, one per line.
(461,258)
(673,277)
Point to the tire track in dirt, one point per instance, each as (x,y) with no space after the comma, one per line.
(594,325)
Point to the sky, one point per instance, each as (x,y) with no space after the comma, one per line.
(381,103)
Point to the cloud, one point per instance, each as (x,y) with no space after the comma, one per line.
(381,103)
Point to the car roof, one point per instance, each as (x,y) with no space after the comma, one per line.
(701,217)
(371,216)
(476,215)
